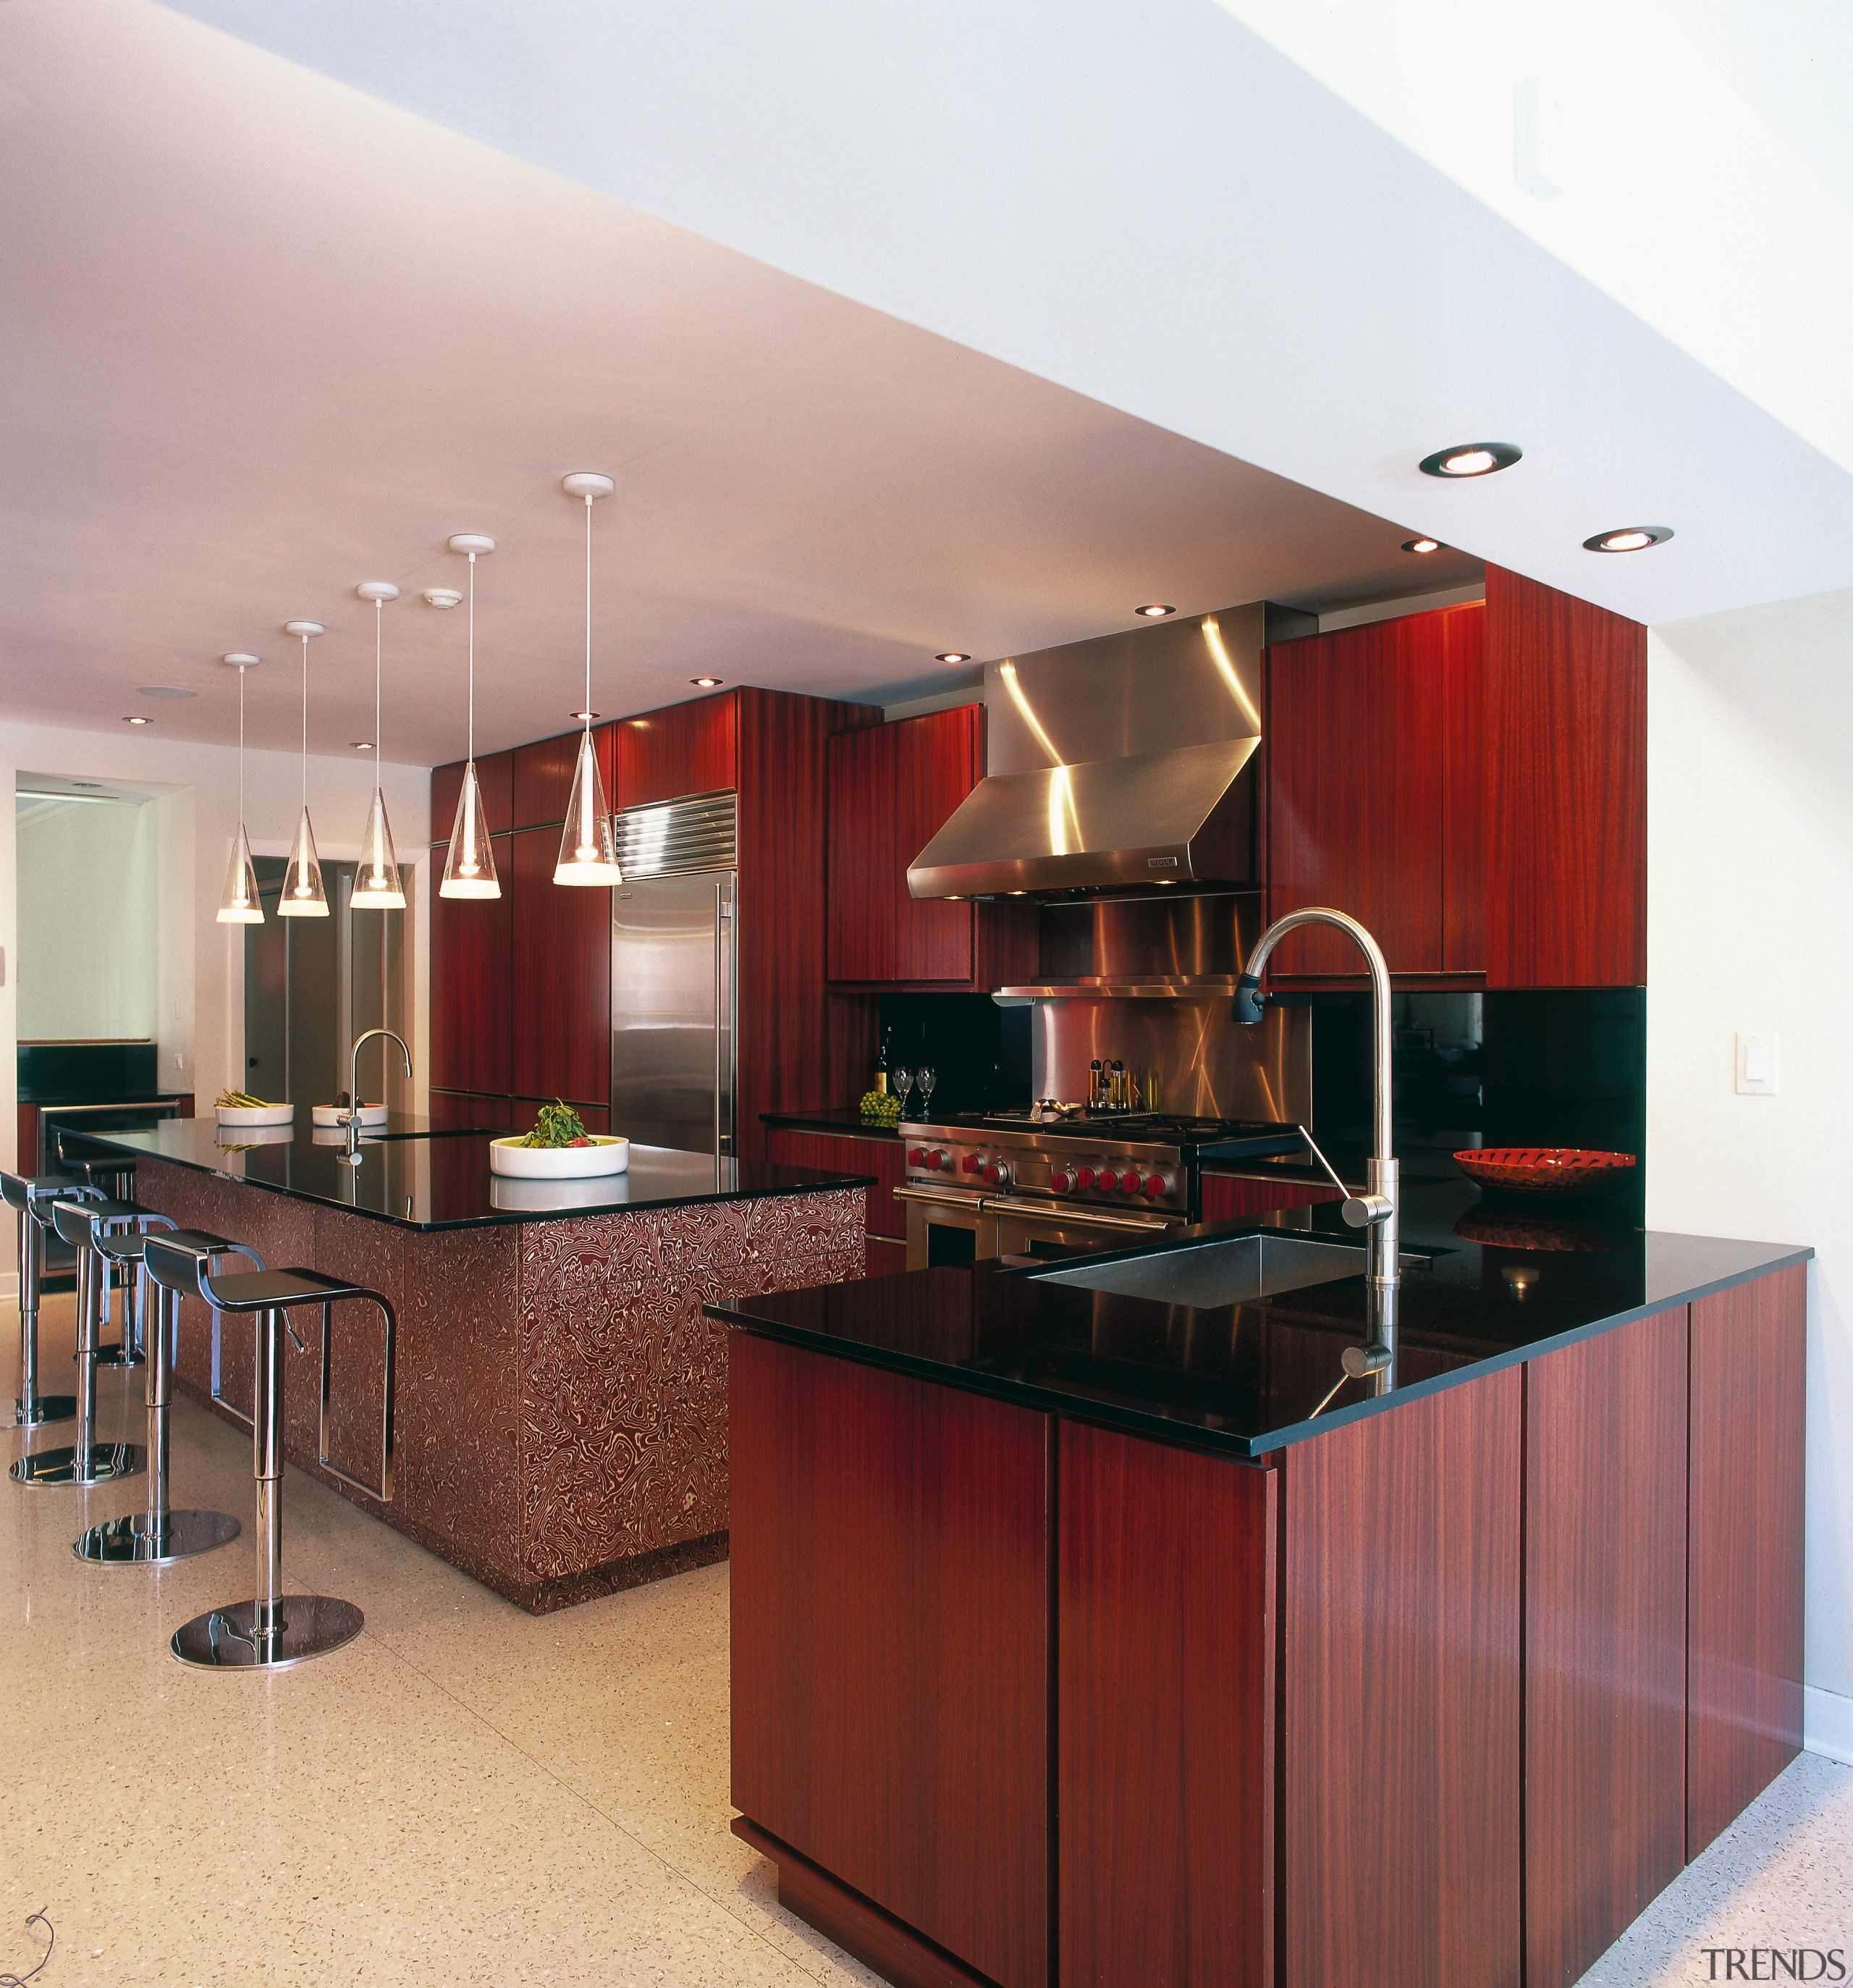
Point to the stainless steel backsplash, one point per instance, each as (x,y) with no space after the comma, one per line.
(1190,1057)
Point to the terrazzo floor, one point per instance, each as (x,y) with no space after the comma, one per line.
(467,1793)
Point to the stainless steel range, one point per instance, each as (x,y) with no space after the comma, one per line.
(1037,1181)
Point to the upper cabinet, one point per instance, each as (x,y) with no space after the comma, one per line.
(1374,791)
(684,749)
(1566,773)
(495,788)
(892,787)
(542,781)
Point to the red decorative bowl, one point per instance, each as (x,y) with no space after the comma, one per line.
(1541,1169)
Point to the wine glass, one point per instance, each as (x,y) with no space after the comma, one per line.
(902,1078)
(926,1078)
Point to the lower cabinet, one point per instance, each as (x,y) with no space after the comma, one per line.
(883,1157)
(1226,1197)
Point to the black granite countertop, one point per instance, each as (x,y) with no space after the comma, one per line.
(419,1178)
(847,1123)
(1503,1284)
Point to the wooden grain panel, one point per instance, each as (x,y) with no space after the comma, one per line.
(1356,808)
(472,984)
(890,1638)
(790,1035)
(1401,1659)
(495,787)
(886,1259)
(561,1005)
(892,789)
(1463,829)
(542,780)
(690,747)
(1165,1603)
(1605,1639)
(885,1158)
(1749,1439)
(458,1111)
(1226,1199)
(1566,782)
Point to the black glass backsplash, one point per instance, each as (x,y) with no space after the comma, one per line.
(85,1072)
(979,1051)
(1558,1066)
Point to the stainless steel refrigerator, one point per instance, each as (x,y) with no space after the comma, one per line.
(673,1011)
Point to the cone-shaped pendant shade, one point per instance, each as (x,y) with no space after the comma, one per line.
(469,869)
(376,884)
(587,853)
(303,896)
(241,905)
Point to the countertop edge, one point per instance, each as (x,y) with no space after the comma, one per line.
(732,1313)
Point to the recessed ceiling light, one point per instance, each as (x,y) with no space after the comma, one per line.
(138,721)
(952,656)
(1154,610)
(1423,546)
(583,717)
(163,690)
(705,683)
(1628,539)
(362,745)
(1471,458)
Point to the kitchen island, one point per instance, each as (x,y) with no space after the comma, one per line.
(561,1403)
(1085,1634)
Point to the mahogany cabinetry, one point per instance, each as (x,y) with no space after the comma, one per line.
(885,1158)
(1447,1694)
(520,987)
(1226,1197)
(892,787)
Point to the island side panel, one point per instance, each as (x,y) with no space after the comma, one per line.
(1166,1690)
(1605,1495)
(1400,1689)
(1748,1441)
(623,1406)
(890,1638)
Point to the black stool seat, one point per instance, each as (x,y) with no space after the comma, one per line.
(30,1196)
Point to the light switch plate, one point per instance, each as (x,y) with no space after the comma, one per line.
(1756,1056)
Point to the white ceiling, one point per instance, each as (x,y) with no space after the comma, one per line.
(277,337)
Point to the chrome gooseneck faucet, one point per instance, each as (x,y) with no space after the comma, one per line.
(1375,1211)
(351,1154)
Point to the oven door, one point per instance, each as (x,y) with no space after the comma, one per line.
(1056,1229)
(946,1228)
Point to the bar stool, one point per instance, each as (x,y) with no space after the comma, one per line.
(88,1462)
(160,1536)
(112,1176)
(273,1630)
(30,1198)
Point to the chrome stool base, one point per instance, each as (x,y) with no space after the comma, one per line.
(223,1639)
(103,1463)
(140,1541)
(46,1408)
(113,1356)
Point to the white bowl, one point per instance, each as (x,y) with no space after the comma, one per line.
(236,1138)
(604,1155)
(554,1197)
(262,1114)
(338,1115)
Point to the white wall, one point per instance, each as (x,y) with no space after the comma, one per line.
(1749,926)
(86,967)
(200,964)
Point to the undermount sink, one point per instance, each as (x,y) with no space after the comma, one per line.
(1234,1272)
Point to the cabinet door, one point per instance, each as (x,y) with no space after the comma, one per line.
(1566,775)
(1225,1199)
(1749,1435)
(885,1158)
(562,936)
(891,789)
(890,1590)
(1605,1639)
(684,749)
(1367,786)
(1166,1670)
(495,787)
(450,1112)
(472,988)
(541,784)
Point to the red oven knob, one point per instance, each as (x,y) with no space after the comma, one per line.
(1131,1182)
(1085,1177)
(915,1157)
(935,1160)
(1109,1179)
(971,1163)
(997,1174)
(1155,1183)
(1060,1179)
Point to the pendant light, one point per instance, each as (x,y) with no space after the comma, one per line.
(587,852)
(377,884)
(469,868)
(240,904)
(303,896)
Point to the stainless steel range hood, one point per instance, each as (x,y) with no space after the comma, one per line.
(1121,764)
